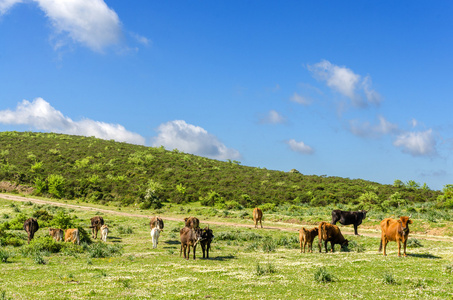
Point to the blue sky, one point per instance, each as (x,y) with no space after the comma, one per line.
(356,89)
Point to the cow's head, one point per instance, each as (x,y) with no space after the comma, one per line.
(207,234)
(364,213)
(345,244)
(404,222)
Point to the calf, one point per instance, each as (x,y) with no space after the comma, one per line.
(72,235)
(104,232)
(189,238)
(348,218)
(395,230)
(155,232)
(205,242)
(258,216)
(57,234)
(330,233)
(31,226)
(192,222)
(156,222)
(96,223)
(306,236)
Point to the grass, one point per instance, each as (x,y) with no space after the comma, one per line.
(244,261)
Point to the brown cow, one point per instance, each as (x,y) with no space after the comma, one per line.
(57,234)
(192,222)
(306,236)
(395,230)
(330,233)
(155,221)
(96,223)
(257,216)
(72,235)
(31,226)
(189,238)
(205,242)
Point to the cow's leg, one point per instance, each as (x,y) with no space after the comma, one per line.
(180,251)
(256,222)
(261,223)
(320,245)
(325,245)
(300,243)
(404,245)
(203,249)
(207,250)
(194,247)
(355,229)
(332,246)
(385,246)
(399,247)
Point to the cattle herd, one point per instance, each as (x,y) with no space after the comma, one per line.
(191,234)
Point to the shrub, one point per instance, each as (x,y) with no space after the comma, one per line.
(268,269)
(40,244)
(414,243)
(102,250)
(38,258)
(269,245)
(355,247)
(4,255)
(126,230)
(62,220)
(388,279)
(56,185)
(18,222)
(323,276)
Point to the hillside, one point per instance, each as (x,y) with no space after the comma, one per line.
(96,170)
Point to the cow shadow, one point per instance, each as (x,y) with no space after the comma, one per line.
(222,258)
(172,242)
(114,239)
(424,255)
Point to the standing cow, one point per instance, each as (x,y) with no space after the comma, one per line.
(205,242)
(31,226)
(257,216)
(395,230)
(348,218)
(306,236)
(189,238)
(96,223)
(104,232)
(330,233)
(72,235)
(155,232)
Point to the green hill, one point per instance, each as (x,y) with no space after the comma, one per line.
(96,170)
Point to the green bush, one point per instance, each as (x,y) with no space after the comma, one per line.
(4,255)
(41,244)
(56,185)
(18,222)
(62,220)
(102,250)
(323,276)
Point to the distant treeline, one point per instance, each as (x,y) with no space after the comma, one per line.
(105,171)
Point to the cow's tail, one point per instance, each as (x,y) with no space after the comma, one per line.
(380,246)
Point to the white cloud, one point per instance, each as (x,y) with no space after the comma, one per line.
(89,22)
(300,99)
(40,115)
(273,117)
(367,130)
(417,143)
(192,139)
(299,147)
(345,82)
(5,5)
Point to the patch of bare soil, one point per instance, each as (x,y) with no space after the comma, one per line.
(9,187)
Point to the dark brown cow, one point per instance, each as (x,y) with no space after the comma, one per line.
(155,221)
(57,234)
(330,233)
(306,236)
(72,235)
(96,223)
(31,226)
(189,238)
(257,216)
(205,242)
(395,230)
(192,222)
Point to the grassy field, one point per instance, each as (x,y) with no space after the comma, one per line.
(245,263)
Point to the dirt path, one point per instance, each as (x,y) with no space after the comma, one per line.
(345,230)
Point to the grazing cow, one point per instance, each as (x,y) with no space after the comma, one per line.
(72,235)
(156,222)
(395,230)
(31,226)
(104,232)
(257,216)
(155,232)
(57,234)
(330,233)
(189,238)
(192,222)
(306,236)
(96,223)
(205,242)
(348,218)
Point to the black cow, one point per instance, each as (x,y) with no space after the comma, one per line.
(348,218)
(205,242)
(31,226)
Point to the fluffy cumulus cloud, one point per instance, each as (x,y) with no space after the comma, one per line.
(88,22)
(273,117)
(419,143)
(299,147)
(40,115)
(344,81)
(192,139)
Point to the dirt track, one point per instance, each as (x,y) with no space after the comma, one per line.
(345,230)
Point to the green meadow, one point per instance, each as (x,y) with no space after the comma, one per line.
(245,263)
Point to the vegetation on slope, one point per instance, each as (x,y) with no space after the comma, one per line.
(96,170)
